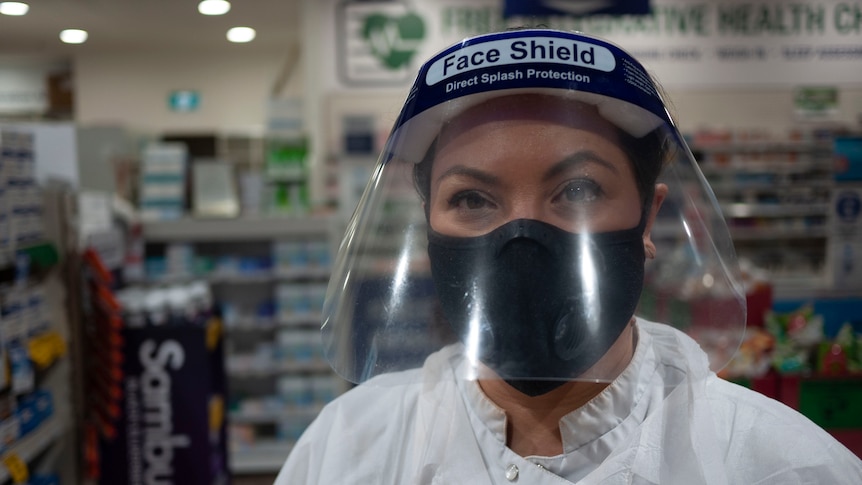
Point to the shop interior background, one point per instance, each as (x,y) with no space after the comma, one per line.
(756,85)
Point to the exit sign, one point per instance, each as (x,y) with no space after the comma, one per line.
(184,100)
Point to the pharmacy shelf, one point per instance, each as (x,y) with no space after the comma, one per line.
(768,233)
(233,230)
(32,444)
(269,276)
(263,457)
(275,368)
(255,278)
(774,210)
(270,324)
(770,187)
(773,168)
(740,233)
(263,417)
(42,256)
(759,146)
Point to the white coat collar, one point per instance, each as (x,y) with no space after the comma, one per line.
(591,432)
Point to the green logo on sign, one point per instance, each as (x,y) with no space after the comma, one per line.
(393,40)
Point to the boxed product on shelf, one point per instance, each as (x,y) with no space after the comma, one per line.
(20,197)
(301,257)
(286,157)
(163,181)
(14,319)
(325,388)
(291,429)
(44,479)
(848,158)
(299,302)
(241,436)
(24,415)
(10,431)
(248,315)
(39,319)
(286,175)
(27,418)
(171,377)
(844,252)
(23,375)
(179,259)
(295,392)
(300,346)
(288,198)
(307,393)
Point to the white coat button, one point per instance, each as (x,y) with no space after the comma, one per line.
(512,473)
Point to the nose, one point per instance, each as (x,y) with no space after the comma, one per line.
(526,205)
(531,205)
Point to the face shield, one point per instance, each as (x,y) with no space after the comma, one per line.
(533,197)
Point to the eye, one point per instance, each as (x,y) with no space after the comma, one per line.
(580,191)
(469,200)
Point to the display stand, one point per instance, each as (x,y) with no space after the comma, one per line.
(268,276)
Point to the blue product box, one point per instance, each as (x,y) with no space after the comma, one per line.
(44,403)
(848,158)
(28,418)
(44,479)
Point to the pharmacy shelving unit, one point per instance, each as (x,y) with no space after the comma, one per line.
(22,445)
(277,378)
(775,196)
(37,397)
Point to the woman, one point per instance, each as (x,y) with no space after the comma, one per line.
(536,155)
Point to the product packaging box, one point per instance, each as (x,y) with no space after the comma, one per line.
(844,253)
(172,420)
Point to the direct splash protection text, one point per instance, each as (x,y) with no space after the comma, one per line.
(517,74)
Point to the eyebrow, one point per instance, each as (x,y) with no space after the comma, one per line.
(567,163)
(480,175)
(578,158)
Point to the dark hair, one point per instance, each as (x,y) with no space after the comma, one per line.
(647,155)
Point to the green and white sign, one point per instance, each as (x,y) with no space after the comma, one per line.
(379,42)
(685,43)
(815,101)
(184,101)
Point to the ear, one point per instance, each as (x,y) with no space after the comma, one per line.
(658,198)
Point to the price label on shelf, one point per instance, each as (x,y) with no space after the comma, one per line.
(17,468)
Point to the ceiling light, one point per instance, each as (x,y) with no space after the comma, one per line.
(14,8)
(73,36)
(214,7)
(241,34)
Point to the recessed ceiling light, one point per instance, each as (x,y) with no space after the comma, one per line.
(241,34)
(73,36)
(14,8)
(214,7)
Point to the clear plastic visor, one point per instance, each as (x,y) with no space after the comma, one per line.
(529,230)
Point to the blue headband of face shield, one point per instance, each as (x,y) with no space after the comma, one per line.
(572,65)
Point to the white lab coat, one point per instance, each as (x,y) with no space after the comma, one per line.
(665,420)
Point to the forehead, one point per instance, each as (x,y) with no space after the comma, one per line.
(539,128)
(516,111)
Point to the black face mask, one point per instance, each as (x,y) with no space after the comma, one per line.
(548,303)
